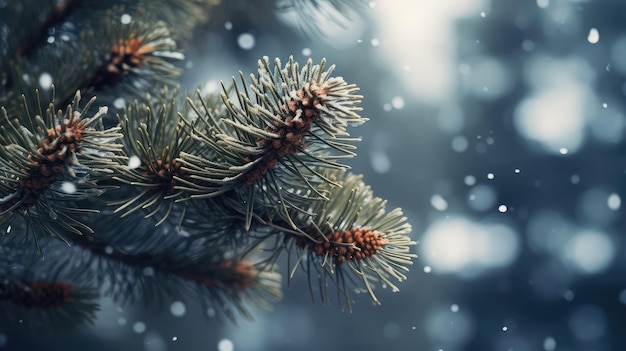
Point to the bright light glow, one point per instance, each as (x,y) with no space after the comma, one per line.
(589,251)
(555,114)
(458,245)
(431,50)
(553,118)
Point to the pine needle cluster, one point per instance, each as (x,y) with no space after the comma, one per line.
(176,194)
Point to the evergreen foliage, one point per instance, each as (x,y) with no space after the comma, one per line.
(176,194)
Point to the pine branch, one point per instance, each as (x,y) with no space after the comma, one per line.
(37,298)
(58,14)
(273,137)
(50,160)
(119,52)
(352,242)
(152,264)
(192,196)
(309,15)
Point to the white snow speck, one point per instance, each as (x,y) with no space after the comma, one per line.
(45,81)
(502,208)
(126,18)
(119,103)
(134,162)
(246,41)
(225,345)
(594,36)
(68,187)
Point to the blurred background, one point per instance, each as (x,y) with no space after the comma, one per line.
(498,127)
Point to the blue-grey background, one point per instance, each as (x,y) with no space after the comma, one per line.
(498,126)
